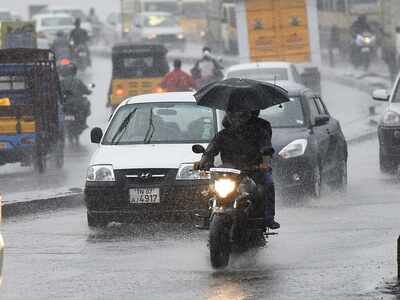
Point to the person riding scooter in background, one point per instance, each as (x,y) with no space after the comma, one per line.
(207,69)
(79,38)
(178,80)
(77,106)
(363,42)
(245,143)
(61,48)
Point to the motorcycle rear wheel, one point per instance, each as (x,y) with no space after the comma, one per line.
(219,242)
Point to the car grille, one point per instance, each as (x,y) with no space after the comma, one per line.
(389,137)
(165,38)
(144,177)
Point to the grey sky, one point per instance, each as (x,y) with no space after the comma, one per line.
(103,7)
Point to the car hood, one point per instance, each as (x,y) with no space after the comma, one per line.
(162,30)
(281,137)
(168,156)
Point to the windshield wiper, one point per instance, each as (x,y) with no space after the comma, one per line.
(122,128)
(150,130)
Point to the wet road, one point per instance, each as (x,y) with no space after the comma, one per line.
(338,247)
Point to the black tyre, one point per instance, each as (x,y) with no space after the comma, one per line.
(385,164)
(95,220)
(316,182)
(219,242)
(40,163)
(342,179)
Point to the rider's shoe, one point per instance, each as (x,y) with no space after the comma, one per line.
(272,224)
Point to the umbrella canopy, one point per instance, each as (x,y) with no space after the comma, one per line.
(234,94)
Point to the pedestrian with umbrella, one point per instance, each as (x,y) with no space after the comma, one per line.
(245,142)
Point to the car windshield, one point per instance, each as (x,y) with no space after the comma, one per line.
(170,7)
(289,114)
(160,21)
(57,21)
(261,74)
(396,96)
(161,123)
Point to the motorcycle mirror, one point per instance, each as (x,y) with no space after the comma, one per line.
(198,149)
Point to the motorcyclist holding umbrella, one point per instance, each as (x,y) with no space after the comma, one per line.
(245,142)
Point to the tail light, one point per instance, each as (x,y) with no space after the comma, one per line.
(119,91)
(64,62)
(159,89)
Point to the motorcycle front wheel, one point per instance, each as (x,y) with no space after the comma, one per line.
(219,241)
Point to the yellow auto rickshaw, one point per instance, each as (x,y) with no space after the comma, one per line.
(137,69)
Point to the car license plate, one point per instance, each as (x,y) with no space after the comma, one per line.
(144,196)
(69,118)
(365,49)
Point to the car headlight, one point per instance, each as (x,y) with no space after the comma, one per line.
(294,149)
(186,172)
(180,36)
(100,173)
(224,187)
(391,118)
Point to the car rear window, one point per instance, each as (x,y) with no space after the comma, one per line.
(289,114)
(160,123)
(261,74)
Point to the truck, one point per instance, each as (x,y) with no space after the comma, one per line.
(280,30)
(17,34)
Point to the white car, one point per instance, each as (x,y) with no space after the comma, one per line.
(160,27)
(266,71)
(139,171)
(47,26)
(75,13)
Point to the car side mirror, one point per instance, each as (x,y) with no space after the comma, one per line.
(321,120)
(198,149)
(96,135)
(380,95)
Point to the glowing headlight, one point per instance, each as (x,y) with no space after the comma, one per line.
(100,173)
(180,36)
(224,187)
(391,118)
(367,40)
(186,172)
(294,149)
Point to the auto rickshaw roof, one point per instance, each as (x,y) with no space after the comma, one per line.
(25,56)
(132,49)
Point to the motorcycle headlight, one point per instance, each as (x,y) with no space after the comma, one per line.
(100,173)
(391,118)
(294,149)
(224,187)
(180,36)
(367,40)
(186,172)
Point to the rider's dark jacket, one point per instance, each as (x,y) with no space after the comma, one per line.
(79,36)
(358,27)
(242,147)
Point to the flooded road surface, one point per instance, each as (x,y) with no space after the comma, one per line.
(337,247)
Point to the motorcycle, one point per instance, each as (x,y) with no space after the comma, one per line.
(236,213)
(364,44)
(80,56)
(76,111)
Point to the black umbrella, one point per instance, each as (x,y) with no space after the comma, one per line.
(234,94)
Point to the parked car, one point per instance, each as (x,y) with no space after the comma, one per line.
(389,129)
(138,171)
(310,147)
(160,27)
(47,26)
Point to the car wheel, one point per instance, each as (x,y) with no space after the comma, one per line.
(342,178)
(95,220)
(316,183)
(385,164)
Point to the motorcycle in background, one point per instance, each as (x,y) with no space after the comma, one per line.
(363,46)
(80,56)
